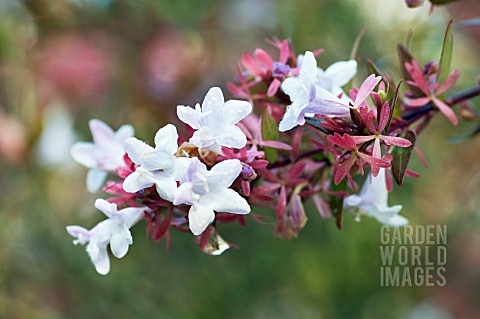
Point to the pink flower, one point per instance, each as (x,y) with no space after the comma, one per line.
(360,95)
(431,89)
(367,118)
(346,161)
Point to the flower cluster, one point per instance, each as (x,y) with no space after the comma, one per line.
(297,133)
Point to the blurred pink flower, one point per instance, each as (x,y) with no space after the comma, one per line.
(168,60)
(73,67)
(13,140)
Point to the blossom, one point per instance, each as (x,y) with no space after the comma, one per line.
(345,162)
(373,201)
(431,90)
(308,97)
(215,121)
(104,155)
(252,127)
(156,166)
(114,231)
(336,76)
(360,95)
(208,191)
(367,118)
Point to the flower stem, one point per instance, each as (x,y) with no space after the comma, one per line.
(412,116)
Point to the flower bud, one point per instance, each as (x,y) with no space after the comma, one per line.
(248,173)
(414,3)
(293,220)
(382,94)
(467,112)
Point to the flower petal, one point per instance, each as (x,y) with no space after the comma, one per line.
(190,116)
(124,132)
(181,165)
(132,215)
(273,87)
(397,141)
(366,88)
(213,100)
(234,111)
(289,120)
(421,101)
(397,220)
(296,90)
(223,174)
(95,179)
(308,70)
(446,110)
(109,209)
(326,103)
(448,83)
(338,74)
(146,156)
(166,186)
(166,139)
(232,137)
(99,257)
(120,241)
(102,133)
(226,200)
(362,139)
(264,59)
(278,145)
(199,217)
(416,73)
(81,234)
(138,180)
(84,153)
(183,194)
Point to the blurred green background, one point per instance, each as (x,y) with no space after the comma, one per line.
(63,62)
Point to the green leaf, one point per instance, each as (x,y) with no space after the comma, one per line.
(336,202)
(446,56)
(401,157)
(393,111)
(474,131)
(269,133)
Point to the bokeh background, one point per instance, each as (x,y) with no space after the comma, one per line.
(63,62)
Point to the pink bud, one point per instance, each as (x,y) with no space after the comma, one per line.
(248,173)
(414,3)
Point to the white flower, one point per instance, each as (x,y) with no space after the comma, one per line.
(336,76)
(104,155)
(113,231)
(57,137)
(308,97)
(373,201)
(215,121)
(208,191)
(157,166)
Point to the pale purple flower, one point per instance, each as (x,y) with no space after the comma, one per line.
(308,97)
(336,76)
(215,121)
(104,155)
(373,201)
(114,231)
(156,166)
(208,191)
